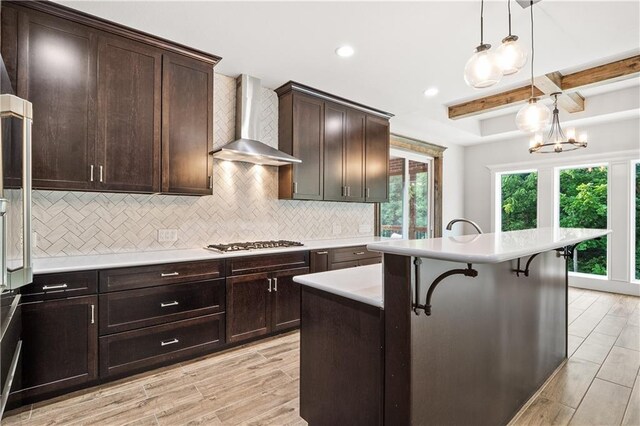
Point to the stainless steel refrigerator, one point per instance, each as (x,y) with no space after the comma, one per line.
(16,117)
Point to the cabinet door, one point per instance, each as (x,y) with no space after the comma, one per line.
(377,159)
(129,95)
(57,73)
(187,125)
(248,306)
(354,156)
(319,261)
(335,121)
(308,145)
(59,344)
(286,298)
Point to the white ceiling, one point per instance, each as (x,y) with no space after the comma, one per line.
(401,47)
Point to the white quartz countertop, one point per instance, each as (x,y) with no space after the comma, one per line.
(489,248)
(47,265)
(363,283)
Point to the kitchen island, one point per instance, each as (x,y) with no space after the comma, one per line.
(468,330)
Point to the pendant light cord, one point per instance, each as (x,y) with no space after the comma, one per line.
(481,22)
(509,9)
(532,49)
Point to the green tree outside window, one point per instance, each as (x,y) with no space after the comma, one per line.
(519,201)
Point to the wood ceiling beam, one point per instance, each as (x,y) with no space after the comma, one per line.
(552,83)
(613,71)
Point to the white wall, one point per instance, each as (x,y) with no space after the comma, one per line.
(614,143)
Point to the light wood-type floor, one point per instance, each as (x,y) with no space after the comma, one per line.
(258,383)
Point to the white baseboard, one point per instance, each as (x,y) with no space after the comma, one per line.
(599,284)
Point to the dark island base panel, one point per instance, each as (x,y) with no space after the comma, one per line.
(489,344)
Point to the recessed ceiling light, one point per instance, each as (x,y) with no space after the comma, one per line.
(344,51)
(431,91)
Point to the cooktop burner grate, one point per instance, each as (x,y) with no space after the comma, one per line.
(253,245)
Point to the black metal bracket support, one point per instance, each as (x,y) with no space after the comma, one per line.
(524,271)
(468,272)
(567,251)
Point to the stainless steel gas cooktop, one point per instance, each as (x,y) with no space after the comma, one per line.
(252,245)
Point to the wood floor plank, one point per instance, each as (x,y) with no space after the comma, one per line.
(286,414)
(624,307)
(604,404)
(573,314)
(621,366)
(584,324)
(573,343)
(249,408)
(571,382)
(146,421)
(584,301)
(632,415)
(629,338)
(611,325)
(544,412)
(634,318)
(595,348)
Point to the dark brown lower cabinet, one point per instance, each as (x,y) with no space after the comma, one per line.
(59,349)
(258,304)
(342,258)
(137,350)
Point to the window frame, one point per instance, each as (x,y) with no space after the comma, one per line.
(633,218)
(407,155)
(556,211)
(497,197)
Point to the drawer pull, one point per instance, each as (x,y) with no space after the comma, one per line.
(54,287)
(170,274)
(169,342)
(269,280)
(174,303)
(275,287)
(322,252)
(93,314)
(359,253)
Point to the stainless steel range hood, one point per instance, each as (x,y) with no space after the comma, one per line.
(247,147)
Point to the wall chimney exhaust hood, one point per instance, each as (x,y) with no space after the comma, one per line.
(247,147)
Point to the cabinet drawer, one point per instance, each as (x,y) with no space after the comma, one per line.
(156,275)
(57,286)
(343,265)
(267,263)
(370,261)
(140,349)
(127,310)
(346,254)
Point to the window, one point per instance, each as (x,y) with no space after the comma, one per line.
(582,203)
(635,236)
(408,213)
(518,200)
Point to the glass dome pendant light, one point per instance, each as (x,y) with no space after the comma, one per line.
(534,116)
(482,69)
(511,53)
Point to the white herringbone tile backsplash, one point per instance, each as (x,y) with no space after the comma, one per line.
(244,204)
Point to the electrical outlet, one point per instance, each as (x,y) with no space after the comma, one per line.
(167,235)
(337,229)
(34,239)
(365,229)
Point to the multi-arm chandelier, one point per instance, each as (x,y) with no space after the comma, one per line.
(556,140)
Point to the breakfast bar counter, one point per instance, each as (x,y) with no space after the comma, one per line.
(467,330)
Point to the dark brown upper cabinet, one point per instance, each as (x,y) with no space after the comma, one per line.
(377,160)
(57,73)
(116,110)
(344,147)
(187,125)
(301,134)
(129,105)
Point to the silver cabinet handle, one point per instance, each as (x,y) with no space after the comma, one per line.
(368,192)
(295,187)
(359,253)
(168,342)
(269,280)
(322,252)
(93,314)
(170,274)
(348,191)
(91,173)
(275,285)
(54,287)
(101,174)
(174,303)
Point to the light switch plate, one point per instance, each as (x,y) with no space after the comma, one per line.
(337,229)
(167,235)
